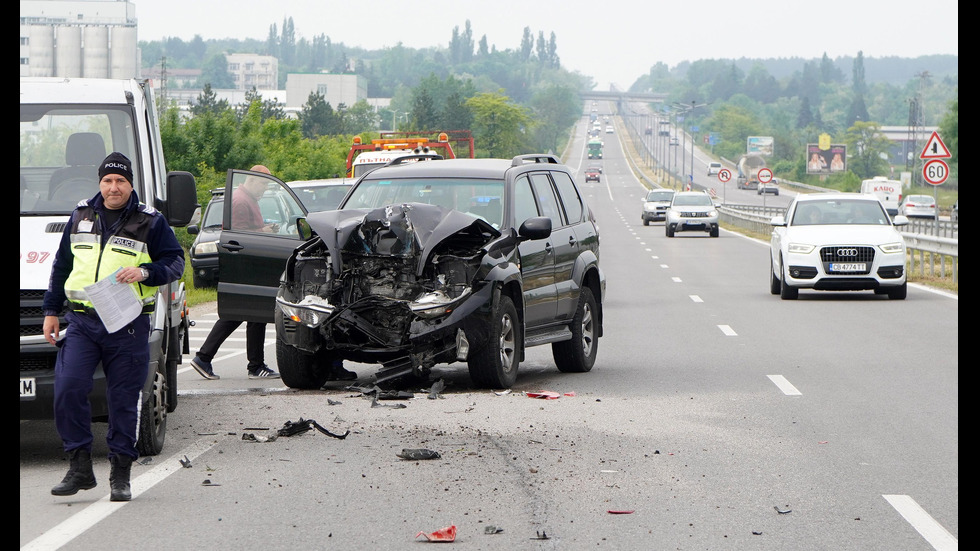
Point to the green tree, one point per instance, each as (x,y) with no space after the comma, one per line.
(527,46)
(316,116)
(208,102)
(556,108)
(949,130)
(215,73)
(866,145)
(499,126)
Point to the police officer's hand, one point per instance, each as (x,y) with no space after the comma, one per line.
(51,328)
(130,275)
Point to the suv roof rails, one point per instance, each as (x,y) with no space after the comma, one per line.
(414,158)
(535,158)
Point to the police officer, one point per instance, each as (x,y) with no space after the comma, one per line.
(111,233)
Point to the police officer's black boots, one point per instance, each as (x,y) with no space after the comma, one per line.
(80,475)
(119,477)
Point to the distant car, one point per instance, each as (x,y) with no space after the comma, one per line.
(691,211)
(918,206)
(648,131)
(204,250)
(609,129)
(954,213)
(596,165)
(837,242)
(714,168)
(591,175)
(655,205)
(769,187)
(673,141)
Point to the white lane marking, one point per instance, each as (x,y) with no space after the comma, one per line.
(784,385)
(676,279)
(664,266)
(88,517)
(655,257)
(938,537)
(696,298)
(728,331)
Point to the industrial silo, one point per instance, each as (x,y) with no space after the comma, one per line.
(122,52)
(41,50)
(68,51)
(95,55)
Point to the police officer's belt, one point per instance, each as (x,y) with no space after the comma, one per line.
(79,307)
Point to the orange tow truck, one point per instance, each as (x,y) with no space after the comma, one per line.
(364,157)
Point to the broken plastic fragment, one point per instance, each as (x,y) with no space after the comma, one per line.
(781,511)
(249,437)
(291,428)
(437,387)
(491,529)
(207,482)
(446,534)
(502,392)
(418,453)
(570,394)
(186,463)
(544,394)
(542,535)
(620,512)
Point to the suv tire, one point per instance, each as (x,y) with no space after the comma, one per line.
(495,364)
(787,292)
(298,369)
(774,284)
(578,354)
(670,231)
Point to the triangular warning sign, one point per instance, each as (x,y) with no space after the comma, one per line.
(935,148)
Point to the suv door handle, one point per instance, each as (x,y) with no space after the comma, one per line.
(232,246)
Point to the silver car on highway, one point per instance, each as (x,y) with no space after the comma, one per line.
(692,211)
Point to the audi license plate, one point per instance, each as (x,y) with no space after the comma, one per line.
(849,267)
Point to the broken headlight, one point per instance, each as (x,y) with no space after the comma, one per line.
(437,303)
(311,311)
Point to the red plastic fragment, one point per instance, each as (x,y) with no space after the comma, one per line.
(619,512)
(572,393)
(447,534)
(544,394)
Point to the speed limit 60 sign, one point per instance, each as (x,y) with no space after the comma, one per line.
(935,171)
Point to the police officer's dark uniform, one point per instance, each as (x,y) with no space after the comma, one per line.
(104,234)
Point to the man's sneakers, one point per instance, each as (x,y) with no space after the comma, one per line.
(204,368)
(262,372)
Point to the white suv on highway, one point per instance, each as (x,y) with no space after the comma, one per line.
(837,242)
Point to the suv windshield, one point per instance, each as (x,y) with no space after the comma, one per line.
(482,198)
(660,195)
(696,199)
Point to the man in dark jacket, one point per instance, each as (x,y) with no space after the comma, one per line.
(110,235)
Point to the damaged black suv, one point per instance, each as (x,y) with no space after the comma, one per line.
(436,261)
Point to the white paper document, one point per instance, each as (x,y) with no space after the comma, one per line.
(116,303)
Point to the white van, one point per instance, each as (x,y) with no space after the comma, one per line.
(889,192)
(714,167)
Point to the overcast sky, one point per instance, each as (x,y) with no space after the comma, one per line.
(614,41)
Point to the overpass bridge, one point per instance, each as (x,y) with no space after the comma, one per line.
(624,97)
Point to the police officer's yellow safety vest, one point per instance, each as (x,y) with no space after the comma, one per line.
(125,248)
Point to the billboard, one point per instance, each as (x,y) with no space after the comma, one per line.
(831,160)
(759,144)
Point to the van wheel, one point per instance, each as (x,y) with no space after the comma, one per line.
(495,364)
(578,354)
(153,418)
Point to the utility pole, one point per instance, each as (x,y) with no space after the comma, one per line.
(162,102)
(916,124)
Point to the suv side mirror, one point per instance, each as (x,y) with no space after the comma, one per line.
(538,227)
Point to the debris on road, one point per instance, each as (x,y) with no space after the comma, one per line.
(445,534)
(207,482)
(249,437)
(303,425)
(437,387)
(542,535)
(491,529)
(418,453)
(620,512)
(544,395)
(782,511)
(185,463)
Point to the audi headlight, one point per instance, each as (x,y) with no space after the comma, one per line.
(437,303)
(800,248)
(206,247)
(311,311)
(897,247)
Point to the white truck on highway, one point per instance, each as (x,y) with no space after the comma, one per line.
(67,127)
